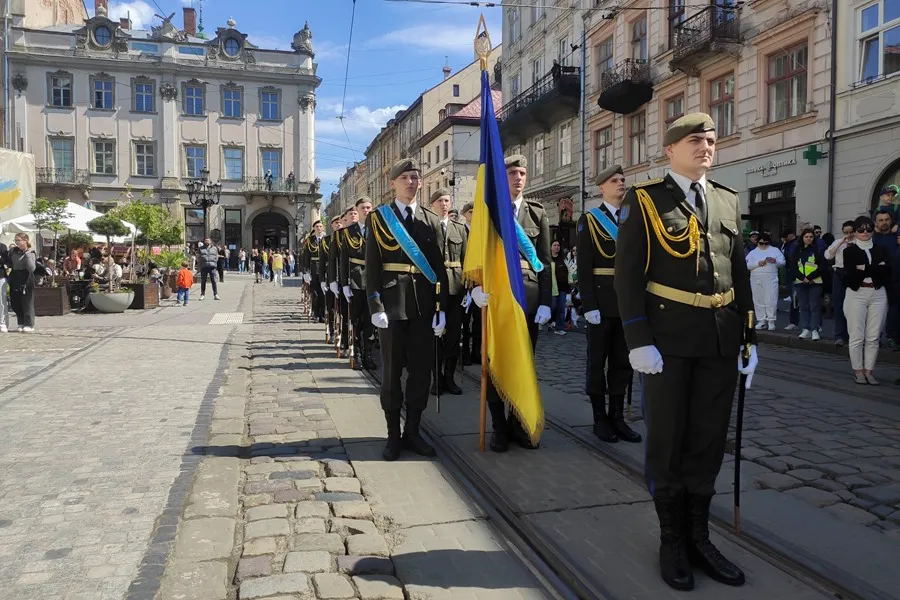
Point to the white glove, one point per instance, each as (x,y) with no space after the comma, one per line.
(593,317)
(307,278)
(334,288)
(646,359)
(466,301)
(348,293)
(543,315)
(380,320)
(439,323)
(751,365)
(479,297)
(324,287)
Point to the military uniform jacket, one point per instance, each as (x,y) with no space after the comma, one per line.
(453,243)
(324,255)
(538,287)
(597,291)
(675,328)
(309,255)
(404,295)
(334,256)
(353,245)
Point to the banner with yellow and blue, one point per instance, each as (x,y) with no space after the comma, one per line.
(492,260)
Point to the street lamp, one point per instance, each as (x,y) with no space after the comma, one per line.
(204,194)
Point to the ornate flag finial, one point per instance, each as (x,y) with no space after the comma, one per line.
(482,43)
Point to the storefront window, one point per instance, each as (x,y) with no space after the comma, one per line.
(193,225)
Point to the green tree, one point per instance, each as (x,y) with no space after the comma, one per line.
(75,240)
(111,226)
(152,221)
(49,215)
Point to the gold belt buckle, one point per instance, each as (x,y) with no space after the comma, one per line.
(716,301)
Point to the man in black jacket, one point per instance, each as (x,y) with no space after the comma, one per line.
(353,282)
(207,260)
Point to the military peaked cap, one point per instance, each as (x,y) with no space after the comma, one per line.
(438,193)
(363,199)
(336,219)
(467,207)
(516,160)
(319,222)
(402,166)
(686,125)
(607,173)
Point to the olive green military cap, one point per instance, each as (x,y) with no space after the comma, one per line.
(467,207)
(402,166)
(438,193)
(686,125)
(607,173)
(363,199)
(516,160)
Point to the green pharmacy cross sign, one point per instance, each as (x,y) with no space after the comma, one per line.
(812,154)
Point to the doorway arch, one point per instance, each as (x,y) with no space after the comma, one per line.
(890,175)
(270,230)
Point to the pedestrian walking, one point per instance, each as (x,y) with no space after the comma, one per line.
(867,274)
(23,262)
(277,269)
(684,296)
(242,261)
(4,288)
(763,263)
(257,261)
(808,265)
(208,260)
(222,262)
(559,282)
(183,281)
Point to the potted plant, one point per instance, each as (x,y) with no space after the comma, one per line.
(112,299)
(51,300)
(169,261)
(146,293)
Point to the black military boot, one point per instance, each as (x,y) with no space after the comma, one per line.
(411,438)
(394,444)
(701,552)
(475,357)
(449,383)
(617,416)
(500,436)
(518,434)
(367,361)
(673,553)
(603,425)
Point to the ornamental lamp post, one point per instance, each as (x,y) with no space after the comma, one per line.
(203,194)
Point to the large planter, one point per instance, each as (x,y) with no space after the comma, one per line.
(145,295)
(51,301)
(112,303)
(166,292)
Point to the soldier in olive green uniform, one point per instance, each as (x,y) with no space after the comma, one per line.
(608,369)
(684,296)
(452,240)
(353,284)
(402,302)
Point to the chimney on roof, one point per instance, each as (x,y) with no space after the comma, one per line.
(98,10)
(190,21)
(447,70)
(125,22)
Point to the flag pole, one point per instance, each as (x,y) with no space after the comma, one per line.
(482,421)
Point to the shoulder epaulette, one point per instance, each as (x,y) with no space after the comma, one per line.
(427,210)
(644,184)
(534,203)
(724,187)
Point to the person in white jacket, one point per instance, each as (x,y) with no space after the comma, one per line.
(763,263)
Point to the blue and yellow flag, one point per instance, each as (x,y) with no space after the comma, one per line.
(492,260)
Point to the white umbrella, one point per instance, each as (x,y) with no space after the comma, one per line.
(77,221)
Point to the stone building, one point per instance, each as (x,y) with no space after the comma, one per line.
(107,109)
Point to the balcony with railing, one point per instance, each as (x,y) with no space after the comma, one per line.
(714,30)
(63,177)
(552,99)
(626,87)
(276,186)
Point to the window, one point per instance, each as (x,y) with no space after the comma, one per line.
(537,69)
(637,143)
(442,114)
(603,149)
(102,36)
(142,92)
(604,57)
(538,9)
(192,50)
(639,39)
(437,153)
(194,230)
(538,168)
(145,47)
(234,163)
(60,90)
(515,85)
(195,161)
(271,161)
(721,104)
(787,83)
(562,50)
(515,25)
(879,30)
(429,158)
(565,144)
(144,159)
(270,105)
(674,108)
(104,157)
(193,99)
(456,90)
(232,102)
(232,47)
(446,149)
(63,154)
(676,18)
(102,92)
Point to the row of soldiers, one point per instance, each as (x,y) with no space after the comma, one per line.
(665,291)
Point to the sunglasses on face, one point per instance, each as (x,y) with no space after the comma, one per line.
(865,229)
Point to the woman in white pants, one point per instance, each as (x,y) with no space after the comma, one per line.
(867,269)
(763,263)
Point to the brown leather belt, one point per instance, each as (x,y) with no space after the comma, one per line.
(683,297)
(525,264)
(358,261)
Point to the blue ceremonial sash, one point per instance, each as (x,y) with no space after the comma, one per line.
(527,248)
(407,244)
(605,222)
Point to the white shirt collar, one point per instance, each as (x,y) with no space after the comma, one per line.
(611,208)
(685,184)
(518,202)
(402,206)
(445,220)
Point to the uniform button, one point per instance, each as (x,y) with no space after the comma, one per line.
(712,254)
(670,229)
(662,307)
(716,275)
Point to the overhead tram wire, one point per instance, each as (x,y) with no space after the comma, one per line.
(347,74)
(614,7)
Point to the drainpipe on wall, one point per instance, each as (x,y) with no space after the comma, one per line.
(832,116)
(7,120)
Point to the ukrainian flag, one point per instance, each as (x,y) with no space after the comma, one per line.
(492,260)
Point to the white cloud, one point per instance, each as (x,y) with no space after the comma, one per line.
(269,42)
(326,50)
(358,120)
(330,174)
(140,13)
(452,38)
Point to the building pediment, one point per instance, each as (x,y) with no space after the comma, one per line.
(101,33)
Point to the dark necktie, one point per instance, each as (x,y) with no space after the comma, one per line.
(699,204)
(616,216)
(408,219)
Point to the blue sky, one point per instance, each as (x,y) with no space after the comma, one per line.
(397,52)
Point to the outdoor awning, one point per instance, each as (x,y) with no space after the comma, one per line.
(76,222)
